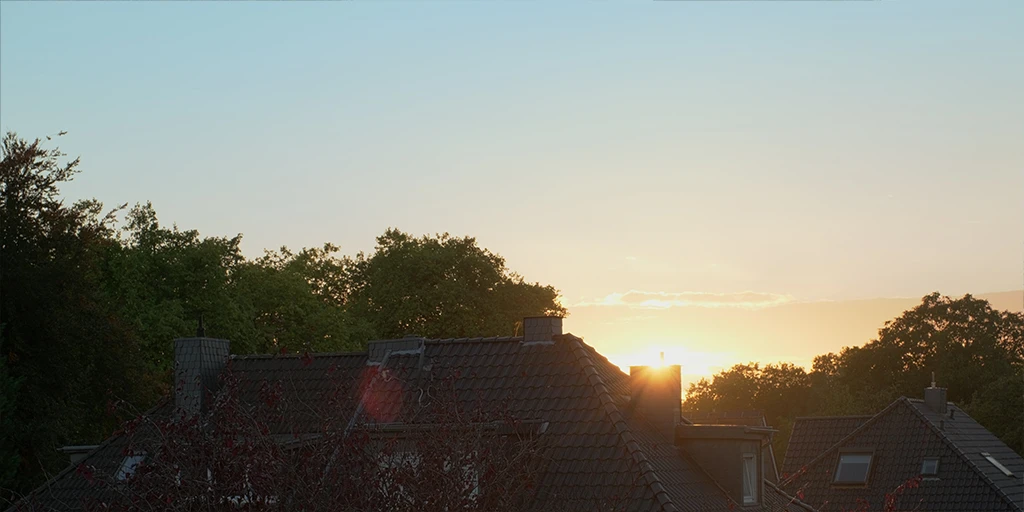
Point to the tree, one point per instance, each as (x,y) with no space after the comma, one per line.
(781,391)
(441,286)
(976,352)
(297,302)
(65,354)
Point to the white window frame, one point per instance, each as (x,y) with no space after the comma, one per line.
(750,480)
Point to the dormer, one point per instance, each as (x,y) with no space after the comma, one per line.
(731,454)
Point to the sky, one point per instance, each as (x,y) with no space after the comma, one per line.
(710,177)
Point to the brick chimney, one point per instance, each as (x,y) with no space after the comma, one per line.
(541,328)
(935,397)
(657,394)
(198,363)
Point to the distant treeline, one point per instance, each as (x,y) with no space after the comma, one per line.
(976,352)
(91,299)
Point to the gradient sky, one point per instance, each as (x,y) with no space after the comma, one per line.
(651,160)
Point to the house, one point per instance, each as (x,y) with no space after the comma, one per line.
(913,455)
(607,436)
(769,467)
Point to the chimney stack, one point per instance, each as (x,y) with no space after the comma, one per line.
(935,397)
(657,394)
(541,328)
(198,363)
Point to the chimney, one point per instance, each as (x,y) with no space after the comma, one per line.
(935,397)
(198,363)
(657,394)
(541,328)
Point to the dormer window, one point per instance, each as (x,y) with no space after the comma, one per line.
(930,466)
(853,469)
(750,481)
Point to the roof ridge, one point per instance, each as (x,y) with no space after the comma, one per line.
(244,357)
(820,456)
(356,353)
(852,416)
(959,451)
(477,339)
(582,355)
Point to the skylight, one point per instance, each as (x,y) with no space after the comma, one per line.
(853,468)
(930,466)
(996,463)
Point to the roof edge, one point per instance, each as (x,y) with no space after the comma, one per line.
(956,449)
(871,421)
(72,466)
(849,417)
(582,354)
(792,499)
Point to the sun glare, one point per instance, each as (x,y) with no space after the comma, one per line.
(659,355)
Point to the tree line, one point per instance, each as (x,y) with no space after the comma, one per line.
(975,351)
(91,298)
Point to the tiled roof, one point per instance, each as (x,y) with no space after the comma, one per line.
(813,435)
(597,451)
(971,439)
(900,437)
(748,418)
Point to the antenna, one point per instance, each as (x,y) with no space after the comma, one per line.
(933,379)
(661,358)
(201,330)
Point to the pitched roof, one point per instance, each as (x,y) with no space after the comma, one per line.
(970,440)
(900,437)
(748,418)
(813,435)
(598,450)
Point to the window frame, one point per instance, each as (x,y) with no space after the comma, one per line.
(755,497)
(926,461)
(998,465)
(869,452)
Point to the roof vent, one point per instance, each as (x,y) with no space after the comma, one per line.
(379,349)
(541,328)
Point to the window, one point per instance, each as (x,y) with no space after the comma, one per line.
(468,476)
(996,463)
(853,468)
(930,466)
(403,465)
(750,482)
(391,469)
(128,466)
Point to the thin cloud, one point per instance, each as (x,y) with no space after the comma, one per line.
(636,299)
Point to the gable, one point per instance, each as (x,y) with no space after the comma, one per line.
(813,435)
(899,441)
(972,440)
